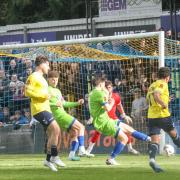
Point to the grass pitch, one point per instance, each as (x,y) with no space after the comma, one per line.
(29,167)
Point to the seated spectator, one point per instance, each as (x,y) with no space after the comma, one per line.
(19,119)
(5,117)
(27,113)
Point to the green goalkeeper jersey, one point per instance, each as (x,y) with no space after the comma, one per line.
(59,113)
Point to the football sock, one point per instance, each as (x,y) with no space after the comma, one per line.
(139,135)
(117,149)
(74,147)
(95,137)
(90,147)
(81,144)
(54,151)
(48,156)
(130,139)
(153,149)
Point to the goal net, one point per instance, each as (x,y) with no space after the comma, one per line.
(129,61)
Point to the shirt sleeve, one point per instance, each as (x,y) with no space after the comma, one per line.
(31,90)
(67,104)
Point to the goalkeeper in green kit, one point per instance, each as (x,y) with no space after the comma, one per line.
(65,120)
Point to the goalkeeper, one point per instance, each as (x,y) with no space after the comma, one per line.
(65,120)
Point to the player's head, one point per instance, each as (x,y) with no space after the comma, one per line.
(53,77)
(164,73)
(109,86)
(42,64)
(99,81)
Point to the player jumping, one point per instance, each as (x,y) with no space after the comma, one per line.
(99,108)
(37,89)
(159,116)
(112,114)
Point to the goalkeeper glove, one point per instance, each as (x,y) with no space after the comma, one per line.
(127,118)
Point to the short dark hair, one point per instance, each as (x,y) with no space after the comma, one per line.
(108,83)
(53,74)
(40,60)
(98,79)
(163,72)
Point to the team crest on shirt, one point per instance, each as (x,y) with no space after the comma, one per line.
(161,86)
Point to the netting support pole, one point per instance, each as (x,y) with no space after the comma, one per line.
(162,64)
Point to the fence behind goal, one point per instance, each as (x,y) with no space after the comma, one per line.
(130,62)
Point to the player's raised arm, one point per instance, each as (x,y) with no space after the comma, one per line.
(68,104)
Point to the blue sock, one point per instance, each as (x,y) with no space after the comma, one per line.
(74,145)
(117,149)
(81,140)
(139,135)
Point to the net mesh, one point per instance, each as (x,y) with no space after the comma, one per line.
(131,65)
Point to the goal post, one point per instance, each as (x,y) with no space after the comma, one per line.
(129,61)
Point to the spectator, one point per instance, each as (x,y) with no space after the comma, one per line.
(25,74)
(27,114)
(9,95)
(139,107)
(154,76)
(5,117)
(19,119)
(99,46)
(1,65)
(12,69)
(3,83)
(28,64)
(19,86)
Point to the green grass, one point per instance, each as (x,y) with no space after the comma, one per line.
(29,167)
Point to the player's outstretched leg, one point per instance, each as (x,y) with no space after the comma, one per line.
(122,141)
(136,134)
(94,138)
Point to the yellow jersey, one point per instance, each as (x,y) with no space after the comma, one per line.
(37,89)
(155,110)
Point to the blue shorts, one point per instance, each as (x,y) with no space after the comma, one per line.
(45,118)
(156,124)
